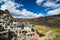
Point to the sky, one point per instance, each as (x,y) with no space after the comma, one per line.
(31,8)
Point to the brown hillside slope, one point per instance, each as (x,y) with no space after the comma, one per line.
(48,20)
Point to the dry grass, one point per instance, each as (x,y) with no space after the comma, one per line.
(43,29)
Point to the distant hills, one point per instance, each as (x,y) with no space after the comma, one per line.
(53,21)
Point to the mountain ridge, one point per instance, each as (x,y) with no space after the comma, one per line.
(48,20)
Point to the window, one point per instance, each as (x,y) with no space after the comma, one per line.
(0,35)
(4,33)
(0,21)
(19,32)
(0,16)
(3,23)
(5,27)
(32,29)
(28,34)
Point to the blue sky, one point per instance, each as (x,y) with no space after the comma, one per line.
(31,8)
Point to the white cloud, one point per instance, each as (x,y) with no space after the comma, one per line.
(54,12)
(51,4)
(57,0)
(27,14)
(39,2)
(1,1)
(11,6)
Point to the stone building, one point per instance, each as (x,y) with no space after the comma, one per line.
(5,19)
(20,29)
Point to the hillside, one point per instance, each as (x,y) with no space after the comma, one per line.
(48,20)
